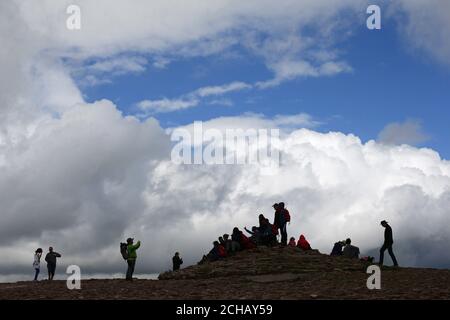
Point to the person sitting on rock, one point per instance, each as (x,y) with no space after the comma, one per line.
(264,224)
(244,242)
(230,245)
(350,251)
(292,242)
(222,242)
(303,243)
(236,237)
(217,252)
(177,261)
(337,248)
(255,235)
(268,232)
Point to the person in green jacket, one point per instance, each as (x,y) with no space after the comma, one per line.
(131,257)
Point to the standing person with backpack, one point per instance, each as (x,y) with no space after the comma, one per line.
(37,263)
(131,257)
(281,218)
(388,242)
(50,258)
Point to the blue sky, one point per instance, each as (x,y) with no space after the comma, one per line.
(388,83)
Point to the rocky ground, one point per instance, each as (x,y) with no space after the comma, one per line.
(263,273)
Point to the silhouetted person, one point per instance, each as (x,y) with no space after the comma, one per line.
(242,239)
(350,251)
(292,242)
(255,234)
(388,242)
(267,232)
(132,256)
(217,252)
(230,245)
(280,221)
(337,248)
(37,263)
(50,258)
(222,241)
(177,261)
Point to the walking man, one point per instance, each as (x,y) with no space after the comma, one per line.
(131,259)
(388,242)
(50,258)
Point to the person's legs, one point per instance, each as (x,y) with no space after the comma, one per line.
(391,253)
(382,250)
(53,271)
(130,270)
(49,268)
(36,274)
(283,232)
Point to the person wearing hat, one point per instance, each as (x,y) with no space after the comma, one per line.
(388,242)
(131,260)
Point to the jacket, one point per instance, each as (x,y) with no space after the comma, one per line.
(37,261)
(303,243)
(132,250)
(351,252)
(388,237)
(51,257)
(177,262)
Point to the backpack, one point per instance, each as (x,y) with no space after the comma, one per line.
(286,215)
(124,250)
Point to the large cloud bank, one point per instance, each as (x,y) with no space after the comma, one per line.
(82,177)
(83,188)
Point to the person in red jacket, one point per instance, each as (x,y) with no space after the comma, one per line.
(222,252)
(303,243)
(217,252)
(244,241)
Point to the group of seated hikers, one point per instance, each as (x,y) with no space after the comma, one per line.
(346,249)
(265,234)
